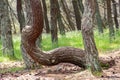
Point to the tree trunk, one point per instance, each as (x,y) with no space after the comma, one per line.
(99,20)
(54,31)
(59,19)
(0,22)
(6,33)
(68,16)
(88,37)
(110,21)
(45,16)
(29,62)
(105,10)
(39,41)
(81,5)
(119,6)
(77,14)
(115,14)
(29,37)
(20,15)
(64,54)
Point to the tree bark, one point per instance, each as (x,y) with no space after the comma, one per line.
(81,5)
(105,10)
(68,16)
(45,16)
(119,6)
(115,14)
(98,17)
(20,15)
(110,21)
(77,14)
(59,19)
(54,30)
(91,51)
(31,33)
(6,33)
(29,62)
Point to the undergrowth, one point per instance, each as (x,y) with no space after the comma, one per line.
(73,39)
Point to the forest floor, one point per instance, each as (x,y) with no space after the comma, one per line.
(62,71)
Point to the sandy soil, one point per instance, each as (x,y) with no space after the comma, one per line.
(62,71)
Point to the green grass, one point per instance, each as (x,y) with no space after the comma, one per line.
(104,44)
(73,39)
(17,50)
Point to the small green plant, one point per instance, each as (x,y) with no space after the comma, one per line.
(97,73)
(13,69)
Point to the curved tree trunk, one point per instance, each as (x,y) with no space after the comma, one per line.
(31,33)
(29,62)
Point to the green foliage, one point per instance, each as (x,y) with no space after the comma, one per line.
(97,73)
(73,39)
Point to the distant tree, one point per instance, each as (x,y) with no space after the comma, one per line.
(6,30)
(119,6)
(110,21)
(77,14)
(0,27)
(67,13)
(46,22)
(115,14)
(105,10)
(88,37)
(54,30)
(98,18)
(59,19)
(81,5)
(20,14)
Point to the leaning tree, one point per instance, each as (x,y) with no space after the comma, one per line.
(88,37)
(64,54)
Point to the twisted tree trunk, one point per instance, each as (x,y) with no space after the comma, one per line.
(31,33)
